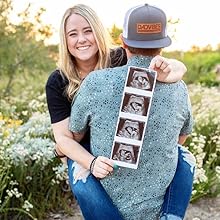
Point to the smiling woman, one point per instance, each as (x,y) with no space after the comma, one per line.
(84,46)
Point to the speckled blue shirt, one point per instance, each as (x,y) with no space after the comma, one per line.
(138,193)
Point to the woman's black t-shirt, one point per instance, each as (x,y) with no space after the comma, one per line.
(59,105)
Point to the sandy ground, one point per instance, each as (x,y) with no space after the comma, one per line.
(204,209)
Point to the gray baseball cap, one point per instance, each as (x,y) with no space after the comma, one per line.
(145,27)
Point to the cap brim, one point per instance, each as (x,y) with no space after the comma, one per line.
(165,42)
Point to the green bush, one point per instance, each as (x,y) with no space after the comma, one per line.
(24,105)
(200,66)
(31,178)
(204,142)
(209,80)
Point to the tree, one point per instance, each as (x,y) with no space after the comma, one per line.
(218,47)
(195,49)
(207,48)
(22,48)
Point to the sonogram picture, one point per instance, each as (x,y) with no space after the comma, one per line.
(133,116)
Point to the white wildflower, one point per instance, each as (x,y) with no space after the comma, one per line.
(27,206)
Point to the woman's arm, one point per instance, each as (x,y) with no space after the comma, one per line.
(169,70)
(73,150)
(68,146)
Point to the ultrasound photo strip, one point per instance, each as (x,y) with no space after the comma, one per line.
(133,116)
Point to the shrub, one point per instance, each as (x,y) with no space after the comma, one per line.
(205,140)
(209,80)
(31,178)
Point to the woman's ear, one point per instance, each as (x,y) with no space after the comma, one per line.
(122,40)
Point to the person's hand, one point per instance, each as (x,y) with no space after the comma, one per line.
(102,167)
(168,70)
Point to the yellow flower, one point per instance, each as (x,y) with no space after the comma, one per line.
(6,133)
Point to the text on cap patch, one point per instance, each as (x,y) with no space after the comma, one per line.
(150,28)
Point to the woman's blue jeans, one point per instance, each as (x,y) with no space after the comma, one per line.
(178,194)
(95,203)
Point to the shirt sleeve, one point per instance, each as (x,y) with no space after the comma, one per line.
(81,108)
(58,105)
(188,124)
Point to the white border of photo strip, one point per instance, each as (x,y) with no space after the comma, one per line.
(146,94)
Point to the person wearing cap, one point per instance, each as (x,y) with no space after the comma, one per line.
(138,193)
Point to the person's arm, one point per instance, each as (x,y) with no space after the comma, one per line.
(59,108)
(169,70)
(59,154)
(187,127)
(72,149)
(68,146)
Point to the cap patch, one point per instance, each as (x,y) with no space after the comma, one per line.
(150,28)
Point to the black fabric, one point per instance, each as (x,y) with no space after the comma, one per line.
(118,57)
(58,104)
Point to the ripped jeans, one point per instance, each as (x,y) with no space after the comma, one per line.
(96,204)
(178,193)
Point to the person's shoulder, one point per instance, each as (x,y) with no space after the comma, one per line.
(179,83)
(183,85)
(56,79)
(54,76)
(178,88)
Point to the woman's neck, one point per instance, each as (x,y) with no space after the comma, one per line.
(85,67)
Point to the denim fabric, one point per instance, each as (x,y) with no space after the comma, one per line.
(93,200)
(178,194)
(170,217)
(95,203)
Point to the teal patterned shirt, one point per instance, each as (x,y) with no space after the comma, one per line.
(138,193)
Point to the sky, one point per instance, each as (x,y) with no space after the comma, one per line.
(198,20)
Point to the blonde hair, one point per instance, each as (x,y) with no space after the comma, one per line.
(66,62)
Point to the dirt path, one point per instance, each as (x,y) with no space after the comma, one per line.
(204,209)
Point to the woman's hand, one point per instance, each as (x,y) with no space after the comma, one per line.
(102,167)
(168,70)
